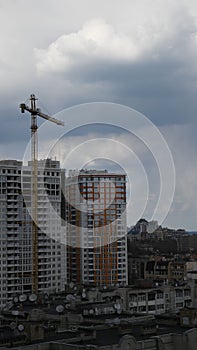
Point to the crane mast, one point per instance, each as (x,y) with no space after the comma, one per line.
(34,180)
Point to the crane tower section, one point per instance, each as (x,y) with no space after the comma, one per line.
(35,112)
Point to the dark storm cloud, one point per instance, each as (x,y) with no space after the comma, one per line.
(165,91)
(141,53)
(154,72)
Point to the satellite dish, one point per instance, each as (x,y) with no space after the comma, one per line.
(71,285)
(70,297)
(117,320)
(20,327)
(13,325)
(118,307)
(91,311)
(22,298)
(60,308)
(15,312)
(75,288)
(109,321)
(33,297)
(119,311)
(83,290)
(15,299)
(83,295)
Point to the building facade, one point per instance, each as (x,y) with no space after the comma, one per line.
(15,233)
(165,270)
(96,216)
(51,232)
(16,229)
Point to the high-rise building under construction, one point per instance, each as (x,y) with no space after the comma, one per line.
(96,234)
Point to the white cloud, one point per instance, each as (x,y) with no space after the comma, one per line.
(165,30)
(96,40)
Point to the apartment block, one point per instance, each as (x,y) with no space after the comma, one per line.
(51,233)
(96,215)
(16,228)
(165,270)
(160,300)
(15,233)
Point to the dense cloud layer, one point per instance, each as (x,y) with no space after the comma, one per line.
(141,53)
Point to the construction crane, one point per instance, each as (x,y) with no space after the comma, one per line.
(34,163)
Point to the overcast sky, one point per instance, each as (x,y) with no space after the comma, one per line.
(138,53)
